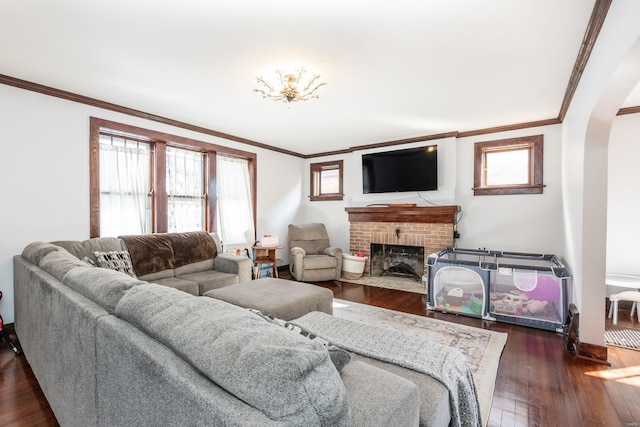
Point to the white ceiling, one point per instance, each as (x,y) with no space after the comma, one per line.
(394,70)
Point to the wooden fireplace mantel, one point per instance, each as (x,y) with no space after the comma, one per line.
(404,213)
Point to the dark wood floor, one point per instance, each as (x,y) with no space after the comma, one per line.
(538,383)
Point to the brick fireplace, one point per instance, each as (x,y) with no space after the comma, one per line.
(430,227)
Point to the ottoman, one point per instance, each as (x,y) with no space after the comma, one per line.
(284,299)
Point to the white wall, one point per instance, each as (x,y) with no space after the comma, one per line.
(623,202)
(44,176)
(611,73)
(520,223)
(333,214)
(529,223)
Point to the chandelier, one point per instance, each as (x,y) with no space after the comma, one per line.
(290,87)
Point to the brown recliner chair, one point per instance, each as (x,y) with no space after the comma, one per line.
(312,258)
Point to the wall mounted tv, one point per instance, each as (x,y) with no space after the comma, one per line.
(413,169)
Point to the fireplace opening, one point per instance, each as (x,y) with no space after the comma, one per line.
(397,260)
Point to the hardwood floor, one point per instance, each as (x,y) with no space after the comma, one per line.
(538,384)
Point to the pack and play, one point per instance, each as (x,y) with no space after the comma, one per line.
(513,287)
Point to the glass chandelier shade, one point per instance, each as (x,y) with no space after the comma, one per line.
(289,87)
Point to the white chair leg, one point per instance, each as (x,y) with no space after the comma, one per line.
(610,309)
(633,308)
(615,312)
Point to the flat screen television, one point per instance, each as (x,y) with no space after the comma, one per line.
(412,169)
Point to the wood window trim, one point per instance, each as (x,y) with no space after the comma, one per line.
(535,143)
(159,142)
(315,170)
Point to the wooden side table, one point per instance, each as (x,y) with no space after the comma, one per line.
(265,255)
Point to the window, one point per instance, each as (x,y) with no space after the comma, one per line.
(234,201)
(508,166)
(142,181)
(125,186)
(326,181)
(185,190)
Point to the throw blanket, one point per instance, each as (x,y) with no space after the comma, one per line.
(151,253)
(445,364)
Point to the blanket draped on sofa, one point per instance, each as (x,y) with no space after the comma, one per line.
(445,364)
(151,253)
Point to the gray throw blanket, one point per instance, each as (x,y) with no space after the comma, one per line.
(443,363)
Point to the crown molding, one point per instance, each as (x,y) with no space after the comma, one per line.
(74,97)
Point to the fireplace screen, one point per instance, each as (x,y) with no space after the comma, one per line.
(397,260)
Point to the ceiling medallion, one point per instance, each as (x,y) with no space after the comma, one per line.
(289,87)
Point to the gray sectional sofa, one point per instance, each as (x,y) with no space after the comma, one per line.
(109,349)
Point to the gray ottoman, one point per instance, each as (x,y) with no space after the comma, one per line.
(284,299)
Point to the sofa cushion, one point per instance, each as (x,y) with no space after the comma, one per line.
(116,260)
(163,274)
(58,263)
(190,247)
(86,248)
(103,286)
(194,267)
(35,251)
(382,399)
(210,279)
(188,286)
(150,253)
(287,376)
(314,262)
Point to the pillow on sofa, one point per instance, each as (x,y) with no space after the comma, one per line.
(287,376)
(116,260)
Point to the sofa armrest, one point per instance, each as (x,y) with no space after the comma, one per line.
(295,262)
(298,251)
(337,254)
(380,398)
(234,264)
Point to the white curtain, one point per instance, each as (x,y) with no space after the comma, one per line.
(185,190)
(235,208)
(124,187)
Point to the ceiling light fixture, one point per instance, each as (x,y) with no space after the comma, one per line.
(289,87)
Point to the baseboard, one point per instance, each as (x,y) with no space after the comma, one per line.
(594,353)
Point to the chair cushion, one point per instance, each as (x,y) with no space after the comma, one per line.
(315,262)
(313,238)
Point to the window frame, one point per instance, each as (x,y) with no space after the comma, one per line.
(159,142)
(535,145)
(316,169)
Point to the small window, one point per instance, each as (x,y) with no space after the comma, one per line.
(508,166)
(326,181)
